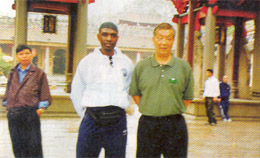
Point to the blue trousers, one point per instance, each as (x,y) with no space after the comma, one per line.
(25,131)
(225,106)
(93,137)
(167,136)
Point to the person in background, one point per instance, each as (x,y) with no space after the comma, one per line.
(210,95)
(27,96)
(100,97)
(224,99)
(162,87)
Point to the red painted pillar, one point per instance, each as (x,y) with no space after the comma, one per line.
(191,27)
(238,35)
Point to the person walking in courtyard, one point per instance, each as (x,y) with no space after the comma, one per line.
(162,87)
(100,97)
(224,96)
(27,96)
(210,95)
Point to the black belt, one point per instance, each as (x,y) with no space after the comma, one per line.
(21,110)
(161,118)
(109,108)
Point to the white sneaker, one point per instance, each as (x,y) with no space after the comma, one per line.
(213,124)
(224,120)
(229,120)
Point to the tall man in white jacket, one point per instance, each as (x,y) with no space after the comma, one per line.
(210,95)
(100,96)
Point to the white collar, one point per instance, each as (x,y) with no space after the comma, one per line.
(117,51)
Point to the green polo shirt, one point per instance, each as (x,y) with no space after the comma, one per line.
(162,88)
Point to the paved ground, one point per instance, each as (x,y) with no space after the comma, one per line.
(237,139)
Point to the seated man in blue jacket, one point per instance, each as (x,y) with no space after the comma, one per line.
(224,96)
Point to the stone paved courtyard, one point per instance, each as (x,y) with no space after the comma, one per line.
(236,139)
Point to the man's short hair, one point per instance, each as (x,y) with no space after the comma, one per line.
(210,70)
(108,25)
(163,26)
(22,47)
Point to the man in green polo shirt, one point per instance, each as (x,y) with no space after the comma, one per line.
(162,87)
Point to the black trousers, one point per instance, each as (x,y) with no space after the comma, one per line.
(165,136)
(25,131)
(210,110)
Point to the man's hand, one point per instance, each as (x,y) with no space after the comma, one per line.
(187,102)
(215,99)
(40,112)
(130,110)
(136,99)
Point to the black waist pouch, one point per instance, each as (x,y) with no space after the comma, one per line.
(106,116)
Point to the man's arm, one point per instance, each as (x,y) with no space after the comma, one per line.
(229,90)
(134,90)
(77,89)
(136,99)
(217,90)
(45,96)
(218,99)
(189,88)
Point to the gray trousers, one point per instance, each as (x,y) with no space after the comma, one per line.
(210,110)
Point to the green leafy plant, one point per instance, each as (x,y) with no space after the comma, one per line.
(6,63)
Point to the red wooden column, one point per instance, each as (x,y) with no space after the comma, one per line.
(191,29)
(71,39)
(77,39)
(180,39)
(221,54)
(238,34)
